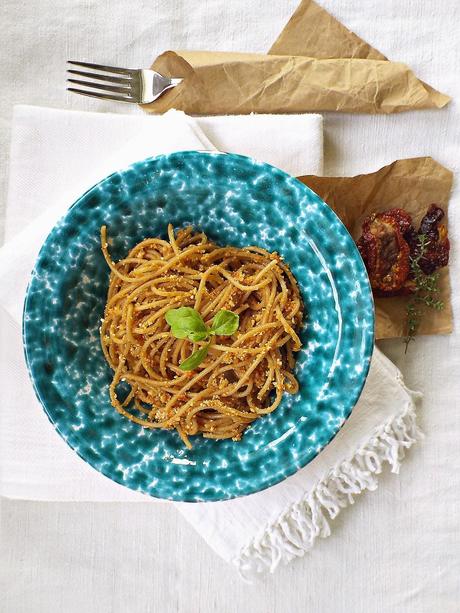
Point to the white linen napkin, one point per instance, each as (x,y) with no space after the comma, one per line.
(56,156)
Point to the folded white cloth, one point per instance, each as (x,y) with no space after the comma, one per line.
(56,155)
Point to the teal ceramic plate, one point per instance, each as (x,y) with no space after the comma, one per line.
(235,201)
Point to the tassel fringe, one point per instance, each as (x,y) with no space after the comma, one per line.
(297,528)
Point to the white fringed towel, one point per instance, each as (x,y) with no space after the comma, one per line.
(56,156)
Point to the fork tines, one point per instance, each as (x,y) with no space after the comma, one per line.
(121,79)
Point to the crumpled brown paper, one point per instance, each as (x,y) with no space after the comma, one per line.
(316,64)
(411,184)
(314,32)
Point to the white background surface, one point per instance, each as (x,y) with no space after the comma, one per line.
(398,550)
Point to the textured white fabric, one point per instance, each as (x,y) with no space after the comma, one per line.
(398,549)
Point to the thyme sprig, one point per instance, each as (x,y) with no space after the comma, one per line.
(426,293)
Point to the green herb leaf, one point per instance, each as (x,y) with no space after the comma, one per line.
(195,359)
(185,322)
(225,323)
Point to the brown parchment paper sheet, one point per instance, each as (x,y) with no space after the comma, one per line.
(316,64)
(411,184)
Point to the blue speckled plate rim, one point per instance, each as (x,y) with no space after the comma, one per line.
(287,471)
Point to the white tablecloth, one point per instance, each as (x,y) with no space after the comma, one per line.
(399,551)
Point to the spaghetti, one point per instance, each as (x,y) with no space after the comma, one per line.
(242,377)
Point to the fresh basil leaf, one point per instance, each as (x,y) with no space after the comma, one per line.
(185,322)
(225,323)
(198,336)
(195,359)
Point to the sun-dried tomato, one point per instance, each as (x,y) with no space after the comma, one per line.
(384,250)
(388,243)
(436,252)
(402,217)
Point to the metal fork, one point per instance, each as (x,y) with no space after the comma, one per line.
(120,84)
